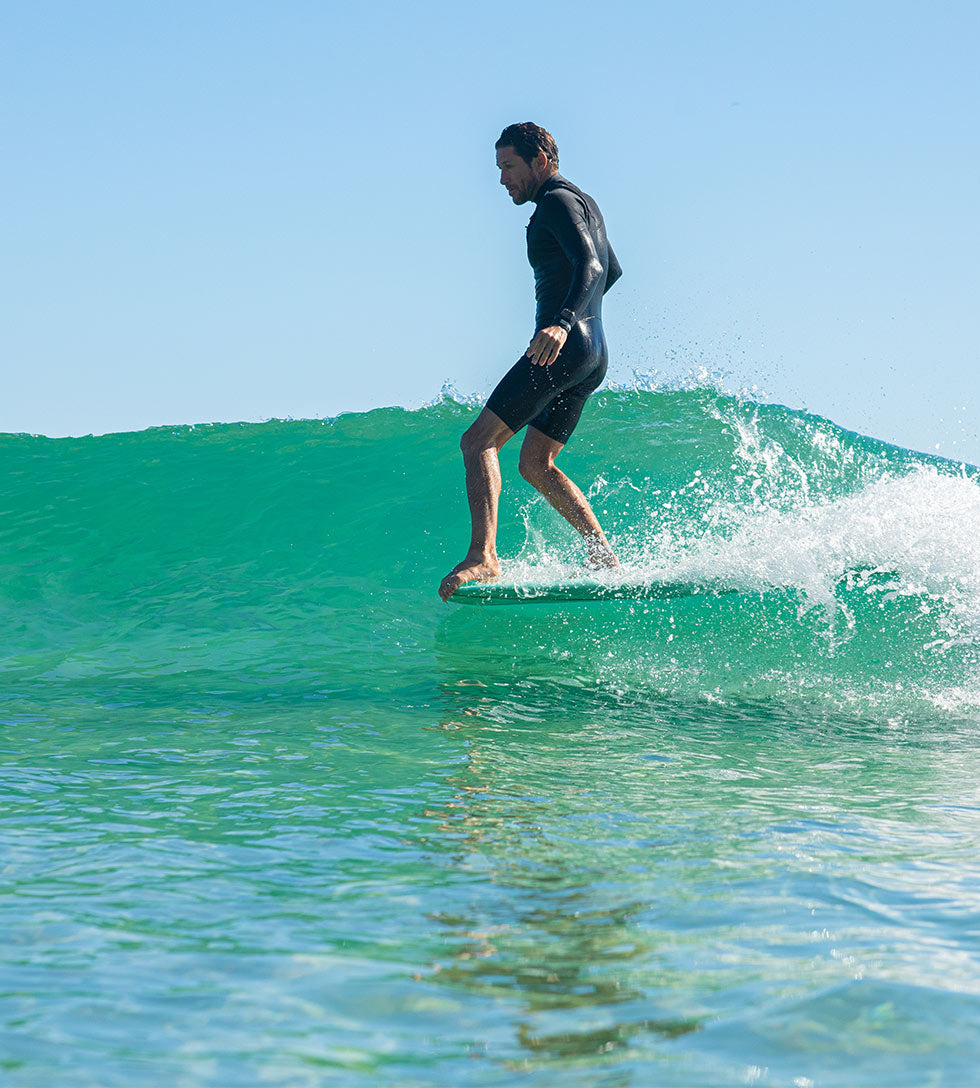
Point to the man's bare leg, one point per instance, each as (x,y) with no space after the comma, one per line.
(480,445)
(538,467)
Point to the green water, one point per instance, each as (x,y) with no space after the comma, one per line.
(273,814)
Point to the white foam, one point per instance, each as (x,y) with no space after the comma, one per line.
(923,527)
(922,530)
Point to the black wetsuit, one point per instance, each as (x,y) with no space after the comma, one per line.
(574,266)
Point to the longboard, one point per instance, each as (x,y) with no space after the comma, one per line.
(585,590)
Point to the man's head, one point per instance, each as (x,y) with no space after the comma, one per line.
(526,155)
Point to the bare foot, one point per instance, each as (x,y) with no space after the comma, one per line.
(470,570)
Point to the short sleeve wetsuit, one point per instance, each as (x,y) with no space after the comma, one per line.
(574,266)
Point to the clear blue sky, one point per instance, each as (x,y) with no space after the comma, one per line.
(239,210)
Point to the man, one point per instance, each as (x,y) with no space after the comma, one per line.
(546,389)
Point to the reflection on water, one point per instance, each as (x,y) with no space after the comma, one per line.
(643,870)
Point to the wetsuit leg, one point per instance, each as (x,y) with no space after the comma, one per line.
(551,398)
(561,416)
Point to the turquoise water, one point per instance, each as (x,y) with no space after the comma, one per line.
(274,814)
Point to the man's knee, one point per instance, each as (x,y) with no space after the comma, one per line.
(534,469)
(471,443)
(482,437)
(489,432)
(475,442)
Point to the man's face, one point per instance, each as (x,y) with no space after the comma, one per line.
(521,179)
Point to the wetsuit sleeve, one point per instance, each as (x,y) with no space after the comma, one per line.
(566,220)
(614,271)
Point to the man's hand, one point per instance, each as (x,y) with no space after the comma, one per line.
(546,345)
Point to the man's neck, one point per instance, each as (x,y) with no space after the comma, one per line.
(543,184)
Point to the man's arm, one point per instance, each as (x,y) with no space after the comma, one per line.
(565,216)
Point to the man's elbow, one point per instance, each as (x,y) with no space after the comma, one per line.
(593,271)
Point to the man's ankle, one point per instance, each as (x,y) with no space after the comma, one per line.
(482,558)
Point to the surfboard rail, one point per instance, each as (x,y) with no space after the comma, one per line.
(506,593)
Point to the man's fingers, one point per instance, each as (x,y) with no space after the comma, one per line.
(545,348)
(536,350)
(549,353)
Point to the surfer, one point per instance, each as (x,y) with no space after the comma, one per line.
(546,389)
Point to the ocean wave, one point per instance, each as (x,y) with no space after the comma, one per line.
(293,546)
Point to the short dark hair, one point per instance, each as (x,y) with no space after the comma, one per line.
(529,140)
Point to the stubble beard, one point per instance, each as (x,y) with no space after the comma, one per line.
(524,194)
